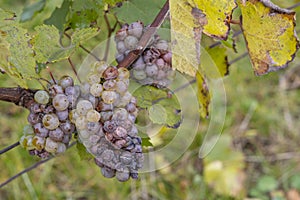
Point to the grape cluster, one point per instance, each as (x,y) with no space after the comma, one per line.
(50,129)
(104,117)
(153,67)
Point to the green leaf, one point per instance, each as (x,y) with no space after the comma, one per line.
(156,100)
(58,16)
(157,114)
(6,18)
(47,47)
(16,54)
(82,152)
(266,184)
(270,35)
(84,14)
(83,35)
(83,19)
(203,95)
(113,2)
(146,141)
(31,10)
(52,50)
(144,10)
(218,15)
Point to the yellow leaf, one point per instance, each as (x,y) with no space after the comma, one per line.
(270,35)
(203,95)
(218,14)
(186,35)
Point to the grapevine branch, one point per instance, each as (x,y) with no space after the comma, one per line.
(19,96)
(133,55)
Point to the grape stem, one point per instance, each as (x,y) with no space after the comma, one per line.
(6,149)
(159,19)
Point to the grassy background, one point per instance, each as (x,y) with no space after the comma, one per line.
(262,118)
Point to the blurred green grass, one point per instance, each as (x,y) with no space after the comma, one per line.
(268,132)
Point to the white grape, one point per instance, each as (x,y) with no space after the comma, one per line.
(41,97)
(96,89)
(81,123)
(73,115)
(83,106)
(93,116)
(84,134)
(28,130)
(100,67)
(51,146)
(109,97)
(60,102)
(93,78)
(38,142)
(26,142)
(123,73)
(120,114)
(50,121)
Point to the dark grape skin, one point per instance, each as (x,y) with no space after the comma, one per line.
(56,135)
(34,118)
(67,127)
(107,172)
(62,115)
(40,130)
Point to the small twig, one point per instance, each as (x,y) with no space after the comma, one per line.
(294,6)
(185,85)
(235,34)
(89,52)
(274,158)
(51,75)
(108,36)
(74,69)
(6,149)
(238,58)
(133,55)
(29,168)
(110,32)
